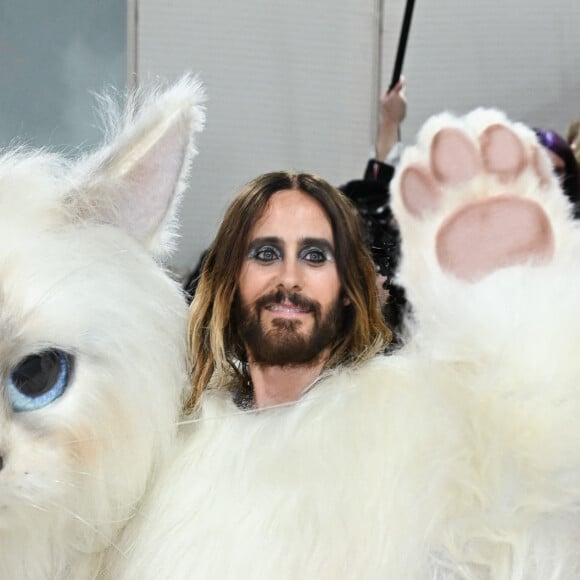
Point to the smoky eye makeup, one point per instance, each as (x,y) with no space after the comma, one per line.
(313,251)
(265,250)
(316,251)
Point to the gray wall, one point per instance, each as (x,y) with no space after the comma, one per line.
(294,84)
(53,53)
(291,84)
(289,87)
(522,56)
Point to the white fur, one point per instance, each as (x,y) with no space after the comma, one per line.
(77,273)
(408,468)
(459,457)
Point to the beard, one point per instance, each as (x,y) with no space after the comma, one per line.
(284,344)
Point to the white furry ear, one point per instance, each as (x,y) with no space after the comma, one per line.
(136,180)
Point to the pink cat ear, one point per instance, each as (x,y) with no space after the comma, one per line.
(135,182)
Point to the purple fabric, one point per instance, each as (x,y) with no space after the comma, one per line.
(559,146)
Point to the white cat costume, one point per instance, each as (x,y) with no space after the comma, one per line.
(458,457)
(92,341)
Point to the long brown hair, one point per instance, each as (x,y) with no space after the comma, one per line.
(214,345)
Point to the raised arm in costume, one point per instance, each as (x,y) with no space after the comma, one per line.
(458,457)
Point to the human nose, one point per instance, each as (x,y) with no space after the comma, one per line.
(290,275)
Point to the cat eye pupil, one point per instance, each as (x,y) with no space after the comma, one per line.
(39,379)
(37,373)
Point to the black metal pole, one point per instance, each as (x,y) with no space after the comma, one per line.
(402,43)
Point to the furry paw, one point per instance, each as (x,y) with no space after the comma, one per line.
(477,194)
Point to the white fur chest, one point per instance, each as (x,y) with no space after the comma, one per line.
(344,484)
(410,468)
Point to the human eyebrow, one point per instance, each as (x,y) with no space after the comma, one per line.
(259,247)
(265,241)
(321,243)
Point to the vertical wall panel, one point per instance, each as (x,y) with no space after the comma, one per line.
(292,84)
(522,56)
(289,87)
(52,56)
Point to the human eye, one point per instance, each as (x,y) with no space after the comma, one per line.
(315,255)
(265,253)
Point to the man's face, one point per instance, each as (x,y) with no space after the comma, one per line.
(289,306)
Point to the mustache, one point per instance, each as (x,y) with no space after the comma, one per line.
(293,298)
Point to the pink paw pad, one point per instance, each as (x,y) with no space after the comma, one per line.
(490,228)
(484,236)
(503,153)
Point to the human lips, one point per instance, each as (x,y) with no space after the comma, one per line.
(287,308)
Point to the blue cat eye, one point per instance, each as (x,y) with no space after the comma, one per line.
(39,379)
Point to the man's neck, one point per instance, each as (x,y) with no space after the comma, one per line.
(275,385)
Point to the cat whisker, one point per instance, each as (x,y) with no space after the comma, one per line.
(86,474)
(67,483)
(312,396)
(38,507)
(99,439)
(98,533)
(193,421)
